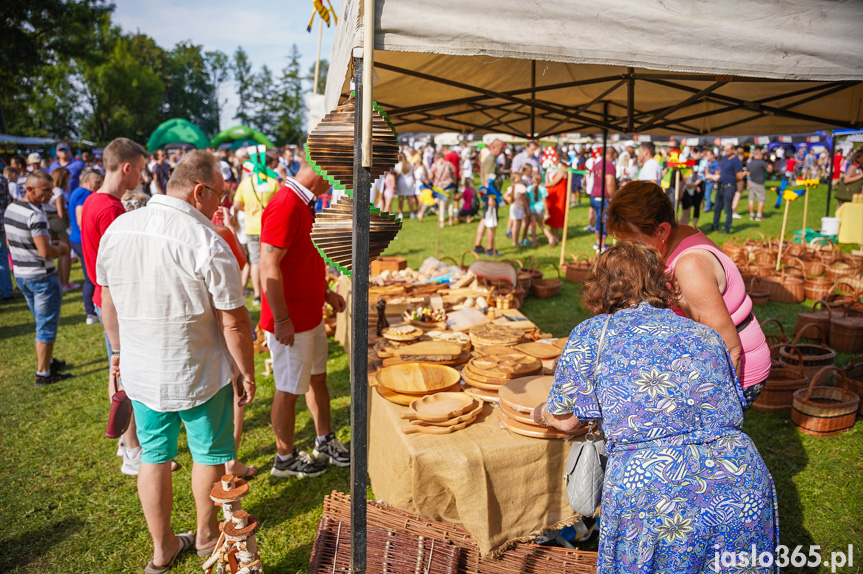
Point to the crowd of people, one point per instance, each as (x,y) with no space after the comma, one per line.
(168,244)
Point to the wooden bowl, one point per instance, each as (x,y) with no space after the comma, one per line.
(417,378)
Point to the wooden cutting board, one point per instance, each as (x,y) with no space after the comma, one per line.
(429,351)
(463,358)
(469,415)
(506,366)
(482,394)
(493,350)
(478,376)
(525,393)
(409,336)
(491,334)
(402,399)
(439,407)
(533,431)
(417,378)
(559,343)
(541,351)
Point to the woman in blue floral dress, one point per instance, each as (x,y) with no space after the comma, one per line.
(683,483)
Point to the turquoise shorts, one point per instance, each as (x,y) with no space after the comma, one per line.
(209,430)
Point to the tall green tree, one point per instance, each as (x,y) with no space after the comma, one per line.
(34,37)
(263,103)
(322,75)
(243,76)
(188,90)
(219,68)
(290,104)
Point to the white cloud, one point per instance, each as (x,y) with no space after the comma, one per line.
(265,29)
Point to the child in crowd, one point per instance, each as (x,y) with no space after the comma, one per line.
(536,195)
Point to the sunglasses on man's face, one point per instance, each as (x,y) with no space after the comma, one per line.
(222,195)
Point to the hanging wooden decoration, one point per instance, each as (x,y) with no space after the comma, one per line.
(330,152)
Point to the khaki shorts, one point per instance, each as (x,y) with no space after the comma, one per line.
(294,366)
(757,192)
(253,245)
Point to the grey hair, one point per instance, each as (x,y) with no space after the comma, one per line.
(197,166)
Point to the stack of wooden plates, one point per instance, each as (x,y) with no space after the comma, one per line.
(495,335)
(441,413)
(332,233)
(403,383)
(486,374)
(545,352)
(402,333)
(518,398)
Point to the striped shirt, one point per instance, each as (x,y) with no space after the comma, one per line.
(22,222)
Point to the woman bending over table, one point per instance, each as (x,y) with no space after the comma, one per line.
(712,291)
(683,483)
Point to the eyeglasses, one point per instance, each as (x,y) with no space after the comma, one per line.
(221,195)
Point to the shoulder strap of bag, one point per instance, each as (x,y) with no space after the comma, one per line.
(601,345)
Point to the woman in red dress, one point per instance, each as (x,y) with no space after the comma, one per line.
(555,183)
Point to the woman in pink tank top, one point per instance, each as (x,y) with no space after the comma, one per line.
(711,288)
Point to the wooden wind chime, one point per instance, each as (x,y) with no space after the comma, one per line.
(330,152)
(236,551)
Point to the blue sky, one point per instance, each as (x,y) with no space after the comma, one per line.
(266,29)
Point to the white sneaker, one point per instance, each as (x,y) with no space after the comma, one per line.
(131,461)
(736,216)
(121,447)
(92,319)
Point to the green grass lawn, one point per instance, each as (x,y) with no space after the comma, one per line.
(67,508)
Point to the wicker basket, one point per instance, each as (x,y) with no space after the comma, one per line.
(780,386)
(785,288)
(839,268)
(522,557)
(733,248)
(764,258)
(795,249)
(854,372)
(820,410)
(816,288)
(579,270)
(774,340)
(757,292)
(827,252)
(846,329)
(820,317)
(465,254)
(815,357)
(546,288)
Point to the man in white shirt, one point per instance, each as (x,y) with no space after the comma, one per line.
(177,346)
(650,168)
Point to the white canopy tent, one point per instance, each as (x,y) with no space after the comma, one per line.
(681,66)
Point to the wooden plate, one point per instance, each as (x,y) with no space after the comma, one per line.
(559,343)
(411,336)
(479,384)
(532,431)
(469,415)
(402,399)
(439,407)
(418,378)
(429,351)
(493,350)
(478,376)
(516,415)
(436,429)
(482,394)
(525,393)
(491,334)
(508,366)
(541,351)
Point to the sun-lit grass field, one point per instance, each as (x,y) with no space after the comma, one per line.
(65,507)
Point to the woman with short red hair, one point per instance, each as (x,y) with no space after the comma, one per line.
(711,287)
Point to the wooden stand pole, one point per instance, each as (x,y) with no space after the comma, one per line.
(676,190)
(782,235)
(565,218)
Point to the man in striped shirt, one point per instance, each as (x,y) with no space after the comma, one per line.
(32,253)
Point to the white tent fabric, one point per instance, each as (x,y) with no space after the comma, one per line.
(740,56)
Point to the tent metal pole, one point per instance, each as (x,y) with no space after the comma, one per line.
(359,331)
(630,100)
(830,173)
(599,220)
(533,98)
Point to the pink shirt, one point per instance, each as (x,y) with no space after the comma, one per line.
(755,354)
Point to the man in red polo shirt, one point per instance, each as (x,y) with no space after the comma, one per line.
(123,160)
(293,281)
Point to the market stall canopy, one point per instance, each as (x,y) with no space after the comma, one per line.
(675,67)
(241,133)
(177,131)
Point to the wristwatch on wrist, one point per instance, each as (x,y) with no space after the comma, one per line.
(115,353)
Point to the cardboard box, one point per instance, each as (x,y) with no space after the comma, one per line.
(393,263)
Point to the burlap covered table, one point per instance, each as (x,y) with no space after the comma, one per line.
(497,485)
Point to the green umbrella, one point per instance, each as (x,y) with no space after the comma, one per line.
(240,133)
(177,131)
